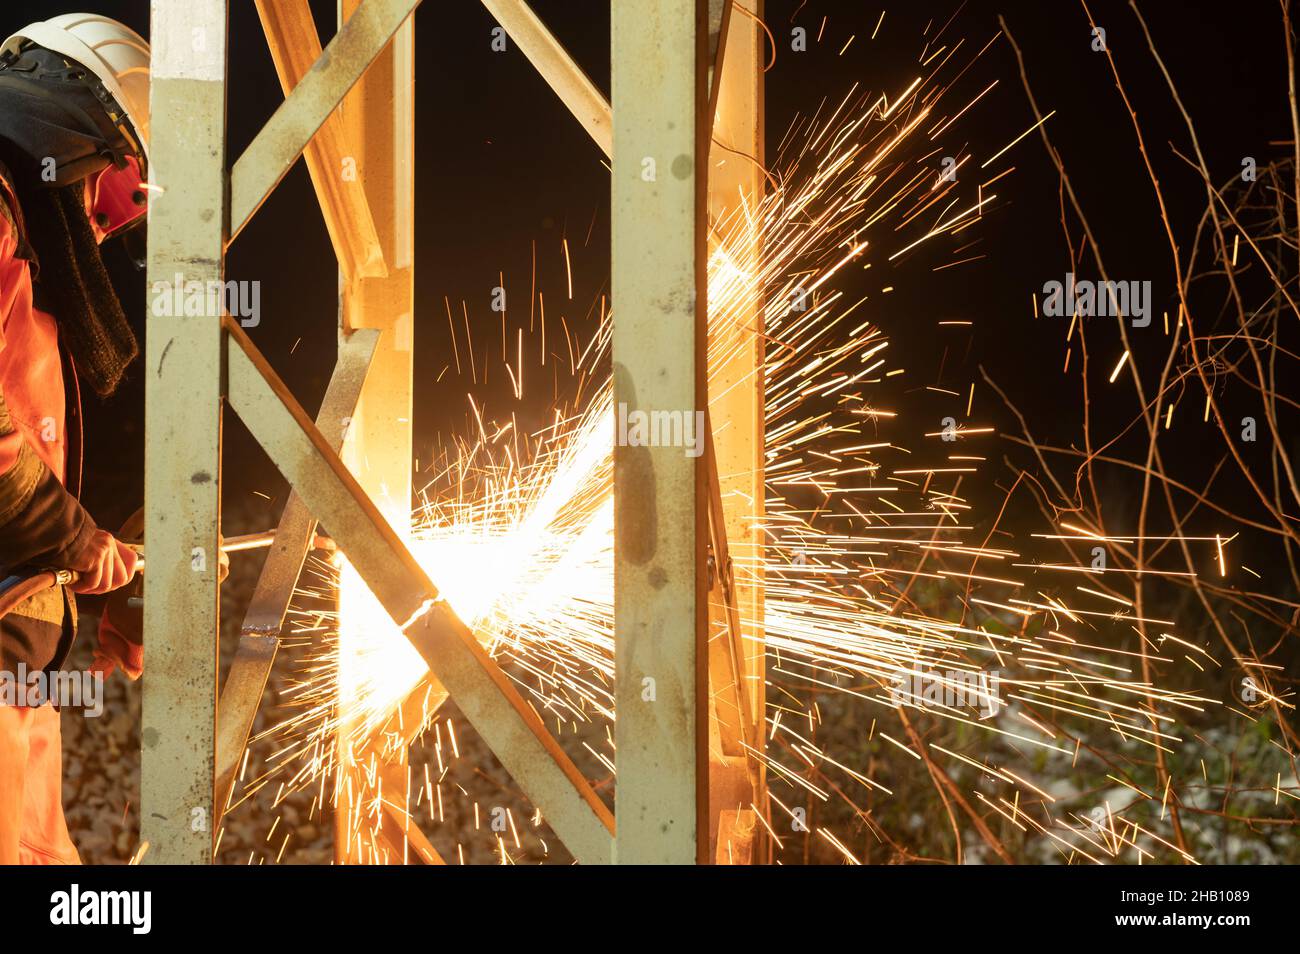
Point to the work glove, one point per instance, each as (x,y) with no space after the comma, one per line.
(121,626)
(121,632)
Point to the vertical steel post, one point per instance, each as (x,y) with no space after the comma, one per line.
(660,98)
(736,382)
(183,357)
(378,119)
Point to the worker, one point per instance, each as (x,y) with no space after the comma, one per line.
(74,130)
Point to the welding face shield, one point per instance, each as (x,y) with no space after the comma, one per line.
(59,125)
(76,163)
(74,107)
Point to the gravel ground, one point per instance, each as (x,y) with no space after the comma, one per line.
(101,756)
(101,790)
(101,766)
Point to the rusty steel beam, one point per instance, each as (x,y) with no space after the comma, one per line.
(271,155)
(390,836)
(399,828)
(379,118)
(481,689)
(296,50)
(259,636)
(403,727)
(737,728)
(736,836)
(736,386)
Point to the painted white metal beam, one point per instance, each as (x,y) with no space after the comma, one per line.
(660,492)
(183,387)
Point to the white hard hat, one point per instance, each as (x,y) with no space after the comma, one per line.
(112,51)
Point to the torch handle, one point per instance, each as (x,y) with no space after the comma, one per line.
(23,588)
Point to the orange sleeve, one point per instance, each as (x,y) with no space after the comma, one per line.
(10,277)
(40,522)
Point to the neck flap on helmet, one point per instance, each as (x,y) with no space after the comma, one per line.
(59,126)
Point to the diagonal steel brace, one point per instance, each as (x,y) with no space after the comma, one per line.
(271,155)
(485,694)
(295,47)
(259,636)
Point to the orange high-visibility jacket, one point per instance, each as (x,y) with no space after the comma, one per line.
(42,525)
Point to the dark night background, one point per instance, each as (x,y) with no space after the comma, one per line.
(502,168)
(500,164)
